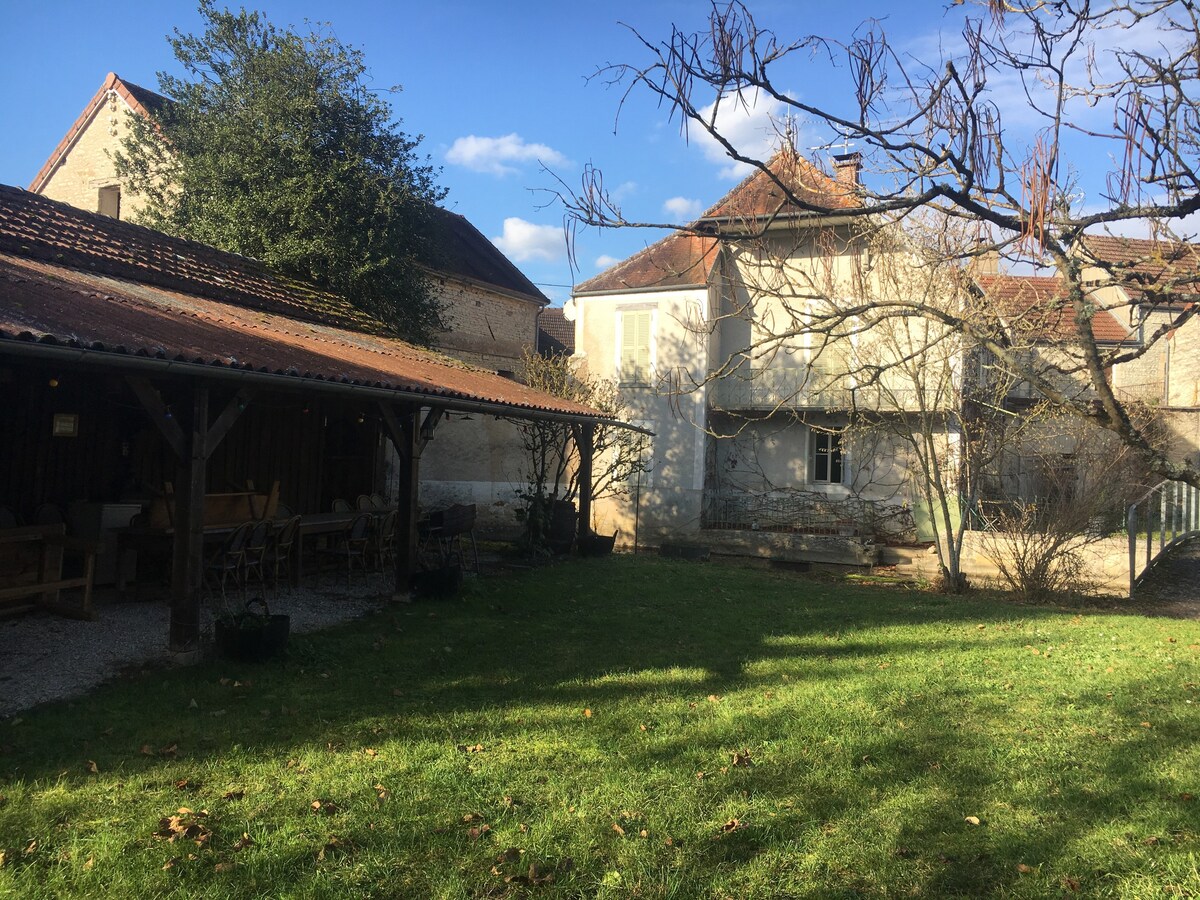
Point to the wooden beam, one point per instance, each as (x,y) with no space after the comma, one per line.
(159,413)
(225,420)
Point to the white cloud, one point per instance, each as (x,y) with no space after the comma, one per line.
(604,261)
(752,123)
(682,209)
(523,241)
(500,155)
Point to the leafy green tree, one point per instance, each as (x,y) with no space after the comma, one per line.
(274,147)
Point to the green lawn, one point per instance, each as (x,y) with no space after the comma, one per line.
(634,728)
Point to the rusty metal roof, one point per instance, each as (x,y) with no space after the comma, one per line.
(84,282)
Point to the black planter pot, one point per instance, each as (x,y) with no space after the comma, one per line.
(252,636)
(597,544)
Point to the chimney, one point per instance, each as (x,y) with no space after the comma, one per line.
(846,167)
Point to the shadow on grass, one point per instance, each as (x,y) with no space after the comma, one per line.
(871,715)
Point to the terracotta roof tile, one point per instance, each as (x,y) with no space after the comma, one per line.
(556,336)
(678,260)
(684,259)
(45,229)
(1034,306)
(74,279)
(1173,267)
(760,196)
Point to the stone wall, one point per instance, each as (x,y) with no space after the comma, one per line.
(87,166)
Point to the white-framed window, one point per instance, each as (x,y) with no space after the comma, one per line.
(636,347)
(825,457)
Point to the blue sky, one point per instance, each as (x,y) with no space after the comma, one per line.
(499,91)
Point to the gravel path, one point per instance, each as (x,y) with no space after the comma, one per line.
(45,657)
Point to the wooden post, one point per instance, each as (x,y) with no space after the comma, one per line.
(192,446)
(187,573)
(585,438)
(409,435)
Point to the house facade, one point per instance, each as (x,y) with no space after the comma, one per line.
(750,360)
(709,341)
(491,308)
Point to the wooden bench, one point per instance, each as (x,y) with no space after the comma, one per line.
(31,567)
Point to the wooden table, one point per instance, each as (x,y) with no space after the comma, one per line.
(135,537)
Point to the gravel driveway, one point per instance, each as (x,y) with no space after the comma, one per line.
(45,657)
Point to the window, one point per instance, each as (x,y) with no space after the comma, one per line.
(826,461)
(109,203)
(635,346)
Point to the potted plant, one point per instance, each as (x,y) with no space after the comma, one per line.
(253,634)
(592,544)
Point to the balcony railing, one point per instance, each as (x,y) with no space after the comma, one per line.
(816,388)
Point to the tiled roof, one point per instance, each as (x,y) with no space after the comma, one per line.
(141,100)
(39,228)
(458,248)
(70,279)
(1143,264)
(678,260)
(1034,307)
(556,336)
(683,259)
(759,196)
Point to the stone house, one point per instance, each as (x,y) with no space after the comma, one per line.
(749,454)
(491,308)
(755,451)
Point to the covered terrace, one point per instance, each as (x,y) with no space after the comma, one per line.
(128,356)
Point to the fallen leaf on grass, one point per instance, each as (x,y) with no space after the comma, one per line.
(184,825)
(233,795)
(328,807)
(383,792)
(972,820)
(243,842)
(1147,725)
(618,829)
(31,847)
(371,752)
(185,784)
(92,767)
(89,864)
(475,833)
(470,748)
(224,867)
(1071,884)
(713,698)
(742,760)
(1024,869)
(587,713)
(732,825)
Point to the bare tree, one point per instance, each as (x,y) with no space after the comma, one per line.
(551,460)
(1119,79)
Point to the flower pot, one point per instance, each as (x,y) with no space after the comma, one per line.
(593,544)
(252,636)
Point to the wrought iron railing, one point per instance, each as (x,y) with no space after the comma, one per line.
(1165,516)
(817,388)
